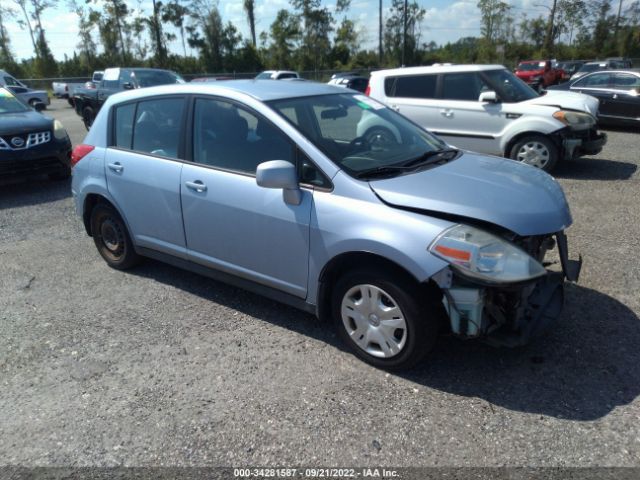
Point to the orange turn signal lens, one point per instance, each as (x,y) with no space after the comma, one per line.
(453,253)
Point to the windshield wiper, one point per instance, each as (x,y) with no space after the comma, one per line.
(430,157)
(427,158)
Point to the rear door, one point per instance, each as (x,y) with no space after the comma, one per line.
(414,96)
(231,223)
(142,168)
(597,85)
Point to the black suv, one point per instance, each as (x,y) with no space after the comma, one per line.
(31,143)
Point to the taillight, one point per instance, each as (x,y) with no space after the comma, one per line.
(367,90)
(79,152)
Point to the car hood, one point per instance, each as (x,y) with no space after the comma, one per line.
(568,100)
(517,197)
(24,122)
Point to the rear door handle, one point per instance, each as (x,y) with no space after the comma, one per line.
(615,96)
(196,185)
(446,112)
(116,167)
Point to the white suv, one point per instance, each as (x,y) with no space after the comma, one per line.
(487,109)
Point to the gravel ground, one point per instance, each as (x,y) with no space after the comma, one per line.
(157,366)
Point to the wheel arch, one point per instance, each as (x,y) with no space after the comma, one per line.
(90,202)
(357,259)
(506,151)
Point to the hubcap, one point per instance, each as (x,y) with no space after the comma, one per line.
(112,237)
(534,153)
(374,321)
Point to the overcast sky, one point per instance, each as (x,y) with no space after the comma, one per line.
(445,21)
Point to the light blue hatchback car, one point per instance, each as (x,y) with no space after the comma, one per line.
(325,199)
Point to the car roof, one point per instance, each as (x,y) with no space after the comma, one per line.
(437,69)
(263,90)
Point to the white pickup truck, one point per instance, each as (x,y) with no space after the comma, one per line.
(67,89)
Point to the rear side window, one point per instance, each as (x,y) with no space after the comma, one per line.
(123,123)
(411,86)
(157,126)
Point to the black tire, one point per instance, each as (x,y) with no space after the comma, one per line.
(536,143)
(33,101)
(421,317)
(88,116)
(112,238)
(63,174)
(71,102)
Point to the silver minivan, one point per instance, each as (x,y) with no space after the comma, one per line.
(269,186)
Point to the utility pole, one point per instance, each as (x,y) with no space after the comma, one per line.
(404,32)
(548,41)
(615,30)
(380,33)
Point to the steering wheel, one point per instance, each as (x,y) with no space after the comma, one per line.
(358,144)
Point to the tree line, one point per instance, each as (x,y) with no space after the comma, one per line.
(310,36)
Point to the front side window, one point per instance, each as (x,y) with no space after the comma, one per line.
(510,89)
(357,133)
(597,80)
(157,126)
(411,86)
(11,81)
(230,137)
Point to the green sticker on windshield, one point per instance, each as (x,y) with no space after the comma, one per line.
(363,106)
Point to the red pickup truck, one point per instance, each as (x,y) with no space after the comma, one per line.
(539,73)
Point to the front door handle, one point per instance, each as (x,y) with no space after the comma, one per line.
(395,107)
(446,112)
(116,167)
(196,185)
(615,96)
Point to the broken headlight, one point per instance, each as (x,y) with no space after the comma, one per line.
(484,256)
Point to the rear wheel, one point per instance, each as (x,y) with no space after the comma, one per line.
(383,318)
(537,151)
(112,238)
(33,101)
(88,115)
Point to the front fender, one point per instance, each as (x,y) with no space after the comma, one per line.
(534,126)
(362,223)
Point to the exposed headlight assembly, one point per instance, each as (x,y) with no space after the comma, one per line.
(575,120)
(59,131)
(483,256)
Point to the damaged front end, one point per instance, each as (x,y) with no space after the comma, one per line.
(500,289)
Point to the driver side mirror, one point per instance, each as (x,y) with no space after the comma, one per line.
(280,174)
(488,97)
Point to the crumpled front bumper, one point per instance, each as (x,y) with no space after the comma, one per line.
(513,314)
(577,143)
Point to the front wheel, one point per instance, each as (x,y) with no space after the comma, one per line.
(383,319)
(112,238)
(537,151)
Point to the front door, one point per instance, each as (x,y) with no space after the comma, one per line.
(231,223)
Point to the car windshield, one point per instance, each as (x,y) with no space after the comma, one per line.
(152,78)
(358,133)
(264,75)
(525,67)
(510,89)
(10,104)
